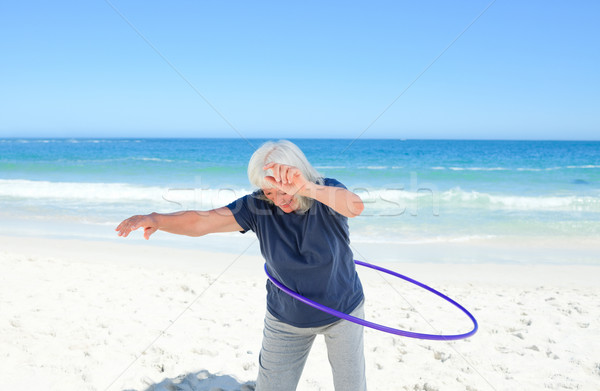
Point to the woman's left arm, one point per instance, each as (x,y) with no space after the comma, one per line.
(339,199)
(290,180)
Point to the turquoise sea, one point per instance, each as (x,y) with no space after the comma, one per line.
(415,191)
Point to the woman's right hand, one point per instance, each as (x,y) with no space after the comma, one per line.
(148,222)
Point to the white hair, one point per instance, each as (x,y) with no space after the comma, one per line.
(282,152)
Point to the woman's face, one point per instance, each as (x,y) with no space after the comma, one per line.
(286,202)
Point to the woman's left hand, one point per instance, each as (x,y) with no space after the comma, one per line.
(288,179)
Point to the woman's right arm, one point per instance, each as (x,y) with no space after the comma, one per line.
(190,223)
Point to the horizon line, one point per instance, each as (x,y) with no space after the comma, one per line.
(283,138)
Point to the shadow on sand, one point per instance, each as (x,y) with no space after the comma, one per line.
(202,381)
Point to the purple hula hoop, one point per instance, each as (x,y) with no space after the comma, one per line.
(376,326)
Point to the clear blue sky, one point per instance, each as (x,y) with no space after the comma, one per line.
(523,70)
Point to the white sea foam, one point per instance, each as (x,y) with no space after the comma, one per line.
(152,159)
(374,167)
(18,188)
(400,199)
(532,169)
(585,166)
(116,193)
(128,159)
(378,201)
(477,168)
(360,167)
(460,197)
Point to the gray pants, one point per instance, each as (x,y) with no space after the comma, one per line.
(285,349)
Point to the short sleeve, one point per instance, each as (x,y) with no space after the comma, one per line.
(333,183)
(242,212)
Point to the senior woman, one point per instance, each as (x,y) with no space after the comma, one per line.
(301,221)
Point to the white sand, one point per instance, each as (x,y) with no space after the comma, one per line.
(126,315)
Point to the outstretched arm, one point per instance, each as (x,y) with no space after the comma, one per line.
(190,223)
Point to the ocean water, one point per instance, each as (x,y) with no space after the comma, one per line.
(415,191)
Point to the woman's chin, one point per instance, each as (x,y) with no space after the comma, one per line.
(289,208)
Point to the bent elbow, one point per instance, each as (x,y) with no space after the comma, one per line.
(361,208)
(357,208)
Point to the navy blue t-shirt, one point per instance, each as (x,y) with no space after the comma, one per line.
(307,252)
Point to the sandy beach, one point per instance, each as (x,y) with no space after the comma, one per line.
(129,315)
